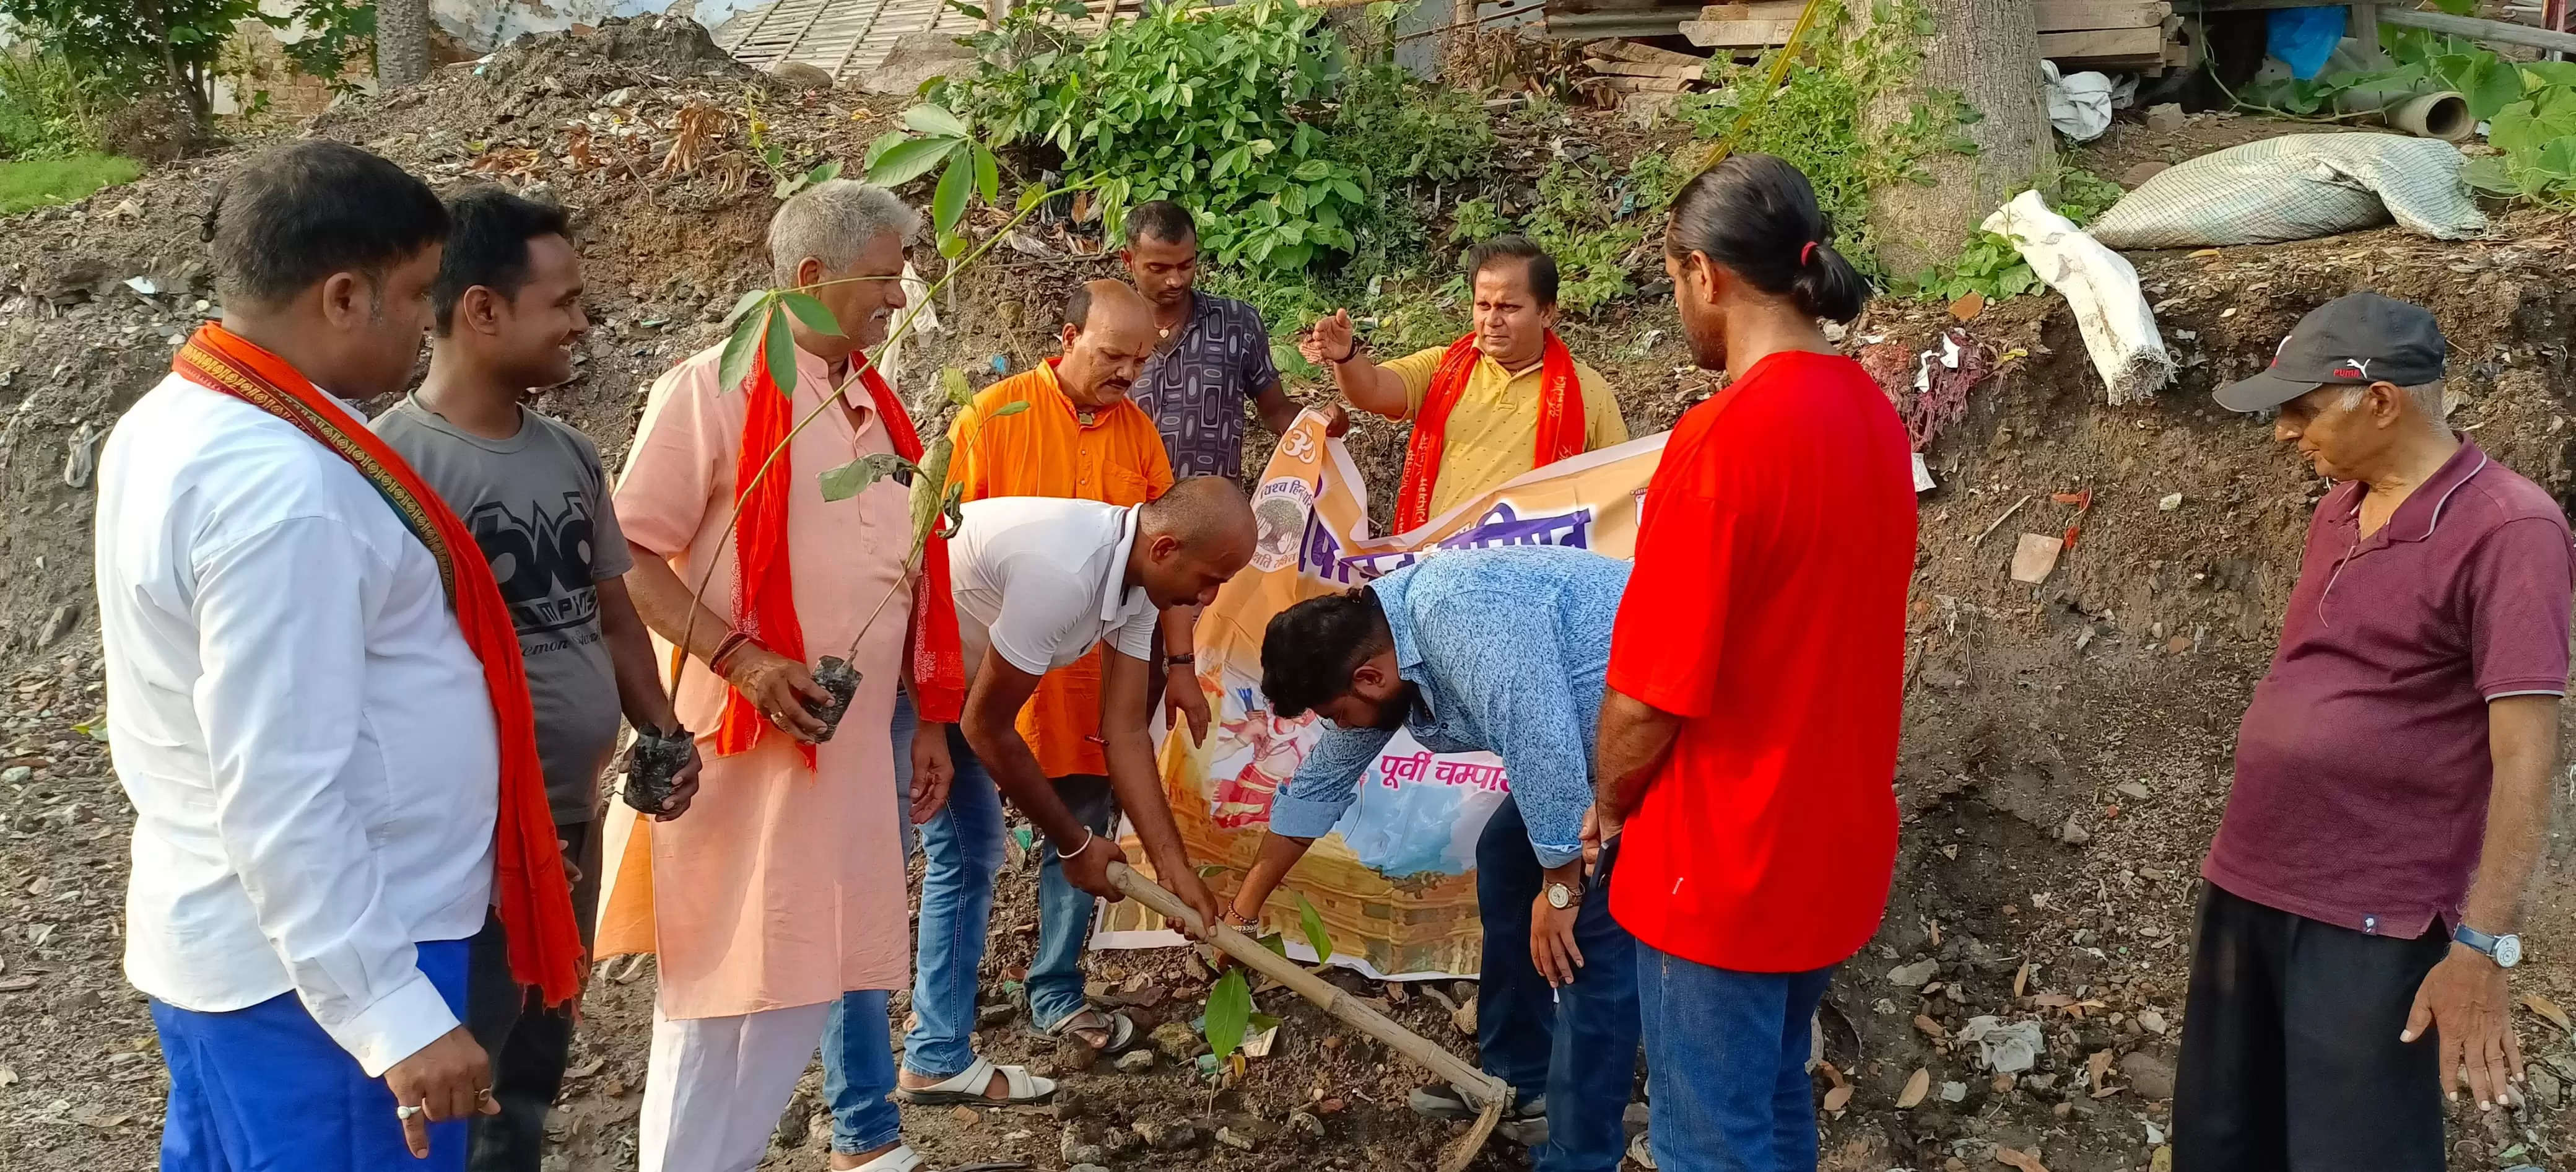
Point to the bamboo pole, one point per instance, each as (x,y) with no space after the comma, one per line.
(1490,1091)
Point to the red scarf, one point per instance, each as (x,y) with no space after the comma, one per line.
(764,596)
(535,900)
(1560,421)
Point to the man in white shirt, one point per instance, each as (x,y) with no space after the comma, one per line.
(304,730)
(1039,582)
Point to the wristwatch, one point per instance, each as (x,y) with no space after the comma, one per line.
(1563,895)
(2505,950)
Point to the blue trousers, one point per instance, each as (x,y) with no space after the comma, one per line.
(858,1041)
(263,1089)
(1578,1044)
(1728,1053)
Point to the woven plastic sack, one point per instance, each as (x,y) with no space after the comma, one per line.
(2298,187)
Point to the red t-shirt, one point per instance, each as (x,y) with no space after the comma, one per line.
(1767,608)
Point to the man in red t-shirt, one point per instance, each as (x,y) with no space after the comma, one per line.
(1748,737)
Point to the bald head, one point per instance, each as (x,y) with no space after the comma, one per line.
(1191,540)
(1108,335)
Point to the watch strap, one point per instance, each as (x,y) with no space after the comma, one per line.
(2474,939)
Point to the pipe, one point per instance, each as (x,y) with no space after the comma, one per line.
(2441,114)
(2481,30)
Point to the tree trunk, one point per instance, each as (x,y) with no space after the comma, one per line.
(1986,54)
(402,42)
(182,88)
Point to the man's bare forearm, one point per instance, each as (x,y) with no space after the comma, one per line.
(1278,411)
(665,604)
(630,658)
(1634,737)
(2522,740)
(1372,388)
(1278,855)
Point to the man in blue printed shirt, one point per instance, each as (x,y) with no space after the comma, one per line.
(1502,651)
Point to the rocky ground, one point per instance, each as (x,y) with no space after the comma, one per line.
(2066,750)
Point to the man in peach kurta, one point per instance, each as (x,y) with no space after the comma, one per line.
(1074,434)
(784,888)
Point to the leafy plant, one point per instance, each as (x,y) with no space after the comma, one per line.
(336,32)
(1312,923)
(1990,266)
(1198,104)
(138,46)
(1229,1014)
(937,140)
(48,109)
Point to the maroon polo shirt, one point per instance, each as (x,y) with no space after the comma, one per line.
(2362,767)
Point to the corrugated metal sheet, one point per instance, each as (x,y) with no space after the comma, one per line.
(846,38)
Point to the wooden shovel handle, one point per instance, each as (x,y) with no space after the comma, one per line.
(1476,1084)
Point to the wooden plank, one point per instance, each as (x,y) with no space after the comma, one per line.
(1759,10)
(2060,16)
(1622,50)
(1735,33)
(1646,69)
(2099,43)
(1636,85)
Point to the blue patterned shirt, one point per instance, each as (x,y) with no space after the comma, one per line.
(1195,389)
(1506,649)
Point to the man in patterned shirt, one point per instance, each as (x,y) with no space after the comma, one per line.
(1211,353)
(1503,651)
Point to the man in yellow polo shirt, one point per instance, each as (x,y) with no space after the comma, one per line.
(1506,398)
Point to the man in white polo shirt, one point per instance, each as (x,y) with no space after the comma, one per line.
(1039,582)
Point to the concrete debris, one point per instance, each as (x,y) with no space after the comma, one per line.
(2005,1049)
(1915,975)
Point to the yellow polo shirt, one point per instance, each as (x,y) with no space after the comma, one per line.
(1493,431)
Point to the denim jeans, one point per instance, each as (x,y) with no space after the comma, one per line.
(1064,910)
(858,1054)
(1578,1043)
(858,1073)
(1728,1054)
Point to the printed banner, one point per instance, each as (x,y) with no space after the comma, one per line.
(1395,881)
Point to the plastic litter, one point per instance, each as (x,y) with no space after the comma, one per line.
(2079,105)
(2005,1049)
(2100,286)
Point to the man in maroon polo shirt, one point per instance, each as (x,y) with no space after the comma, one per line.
(2392,777)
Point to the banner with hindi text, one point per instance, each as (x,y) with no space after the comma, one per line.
(1395,881)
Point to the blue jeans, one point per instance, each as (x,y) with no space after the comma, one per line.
(961,850)
(1728,1054)
(1578,1043)
(858,1050)
(264,1087)
(1064,910)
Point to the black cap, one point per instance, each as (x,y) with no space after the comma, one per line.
(2356,340)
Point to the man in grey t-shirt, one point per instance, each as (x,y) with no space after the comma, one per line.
(508,312)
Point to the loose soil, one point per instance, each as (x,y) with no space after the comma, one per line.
(2066,747)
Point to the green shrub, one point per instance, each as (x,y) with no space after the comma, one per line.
(47,110)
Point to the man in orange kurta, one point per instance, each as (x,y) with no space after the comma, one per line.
(784,887)
(1078,435)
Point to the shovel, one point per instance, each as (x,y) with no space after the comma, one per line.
(1491,1093)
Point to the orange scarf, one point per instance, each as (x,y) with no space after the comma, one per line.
(764,594)
(1560,421)
(534,899)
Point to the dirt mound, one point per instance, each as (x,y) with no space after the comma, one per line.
(2066,748)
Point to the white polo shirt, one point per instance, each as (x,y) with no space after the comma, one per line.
(1042,580)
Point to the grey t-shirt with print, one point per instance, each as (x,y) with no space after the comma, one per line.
(538,505)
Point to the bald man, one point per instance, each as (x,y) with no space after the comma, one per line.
(1057,717)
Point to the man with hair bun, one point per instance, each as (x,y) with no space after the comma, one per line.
(1748,734)
(783,888)
(316,703)
(1506,398)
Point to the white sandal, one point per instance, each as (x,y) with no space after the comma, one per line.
(901,1159)
(967,1087)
